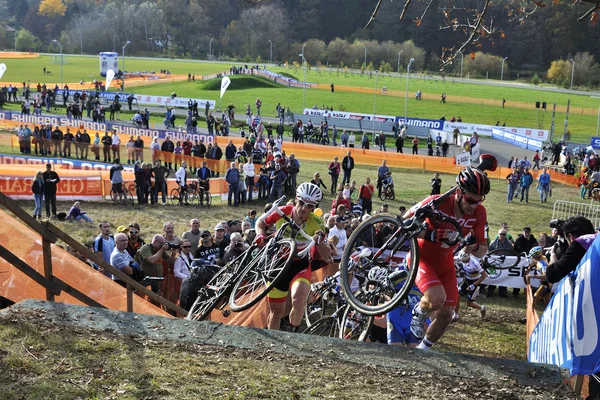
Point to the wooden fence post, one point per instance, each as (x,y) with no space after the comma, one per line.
(47,255)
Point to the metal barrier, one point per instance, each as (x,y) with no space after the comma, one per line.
(566,209)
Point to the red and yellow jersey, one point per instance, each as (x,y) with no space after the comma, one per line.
(312,225)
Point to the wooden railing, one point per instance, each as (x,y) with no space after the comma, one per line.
(52,284)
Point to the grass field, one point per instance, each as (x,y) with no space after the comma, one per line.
(581,126)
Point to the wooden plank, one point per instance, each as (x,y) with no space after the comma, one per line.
(29,271)
(109,268)
(129,299)
(47,256)
(578,384)
(76,293)
(14,208)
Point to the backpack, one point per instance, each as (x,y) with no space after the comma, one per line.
(377,140)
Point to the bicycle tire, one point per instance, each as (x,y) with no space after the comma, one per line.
(208,199)
(390,296)
(315,307)
(211,294)
(262,274)
(174,196)
(392,195)
(496,259)
(359,325)
(382,195)
(327,327)
(128,198)
(194,199)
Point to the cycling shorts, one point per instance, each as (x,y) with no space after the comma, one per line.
(440,272)
(398,331)
(117,187)
(299,272)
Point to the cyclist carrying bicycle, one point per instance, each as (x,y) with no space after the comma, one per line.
(297,279)
(537,270)
(436,277)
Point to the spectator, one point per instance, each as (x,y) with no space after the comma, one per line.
(104,243)
(221,237)
(339,230)
(399,144)
(340,200)
(501,242)
(116,179)
(526,181)
(193,235)
(160,174)
(316,180)
(230,151)
(236,248)
(277,179)
(249,177)
(151,257)
(168,147)
(251,218)
(381,175)
(183,263)
(351,140)
(208,251)
(523,244)
(364,142)
(181,179)
(37,188)
(544,185)
(121,259)
(366,196)
(334,172)
(76,214)
(232,177)
(51,180)
(135,241)
(241,190)
(512,179)
(115,145)
(293,170)
(436,184)
(347,167)
(106,143)
(415,146)
(169,233)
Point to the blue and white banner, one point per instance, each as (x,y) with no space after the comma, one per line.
(567,333)
(11,159)
(104,126)
(145,99)
(486,130)
(516,140)
(596,142)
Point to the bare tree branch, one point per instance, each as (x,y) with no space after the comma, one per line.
(404,9)
(591,10)
(374,14)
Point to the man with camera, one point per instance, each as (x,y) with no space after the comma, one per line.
(151,257)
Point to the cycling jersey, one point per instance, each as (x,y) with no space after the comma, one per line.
(472,269)
(398,321)
(312,225)
(436,261)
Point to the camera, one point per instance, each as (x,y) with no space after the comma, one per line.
(173,246)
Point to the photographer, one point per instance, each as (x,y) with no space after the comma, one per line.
(579,233)
(151,257)
(235,248)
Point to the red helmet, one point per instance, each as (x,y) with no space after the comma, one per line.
(473,181)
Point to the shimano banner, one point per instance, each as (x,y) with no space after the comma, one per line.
(422,123)
(145,99)
(567,334)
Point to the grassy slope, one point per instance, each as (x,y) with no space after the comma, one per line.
(87,68)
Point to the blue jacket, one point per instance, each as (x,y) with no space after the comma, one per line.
(232,176)
(526,180)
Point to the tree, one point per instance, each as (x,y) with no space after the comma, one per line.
(587,71)
(559,71)
(535,80)
(26,41)
(52,8)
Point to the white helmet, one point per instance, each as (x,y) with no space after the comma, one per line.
(309,193)
(377,274)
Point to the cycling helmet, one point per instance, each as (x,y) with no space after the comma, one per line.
(463,256)
(473,181)
(377,274)
(535,252)
(309,193)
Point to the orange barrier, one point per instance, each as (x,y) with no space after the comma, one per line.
(18,54)
(26,244)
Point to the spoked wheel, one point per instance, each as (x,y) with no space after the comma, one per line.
(174,196)
(127,198)
(193,199)
(382,195)
(315,307)
(355,325)
(261,275)
(501,259)
(373,255)
(205,199)
(211,295)
(327,327)
(392,194)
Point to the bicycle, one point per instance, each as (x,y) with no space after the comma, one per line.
(204,196)
(387,192)
(211,295)
(268,266)
(125,198)
(190,197)
(344,322)
(373,246)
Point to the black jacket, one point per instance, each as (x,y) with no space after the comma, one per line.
(345,163)
(523,245)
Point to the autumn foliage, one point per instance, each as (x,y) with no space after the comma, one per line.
(52,8)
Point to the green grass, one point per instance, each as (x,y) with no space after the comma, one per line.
(244,90)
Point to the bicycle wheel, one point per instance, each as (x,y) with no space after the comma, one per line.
(114,197)
(174,196)
(207,199)
(127,198)
(354,325)
(328,327)
(263,272)
(383,248)
(194,199)
(392,194)
(501,259)
(382,195)
(315,307)
(211,295)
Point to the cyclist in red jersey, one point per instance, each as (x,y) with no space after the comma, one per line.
(297,279)
(436,277)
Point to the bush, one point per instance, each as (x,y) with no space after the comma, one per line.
(535,80)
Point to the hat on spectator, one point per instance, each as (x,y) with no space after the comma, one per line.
(134,225)
(205,233)
(233,222)
(219,226)
(122,228)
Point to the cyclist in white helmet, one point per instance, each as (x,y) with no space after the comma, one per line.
(297,280)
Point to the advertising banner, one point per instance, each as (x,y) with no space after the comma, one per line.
(69,188)
(349,115)
(146,99)
(423,123)
(595,142)
(567,333)
(463,159)
(486,130)
(516,140)
(104,126)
